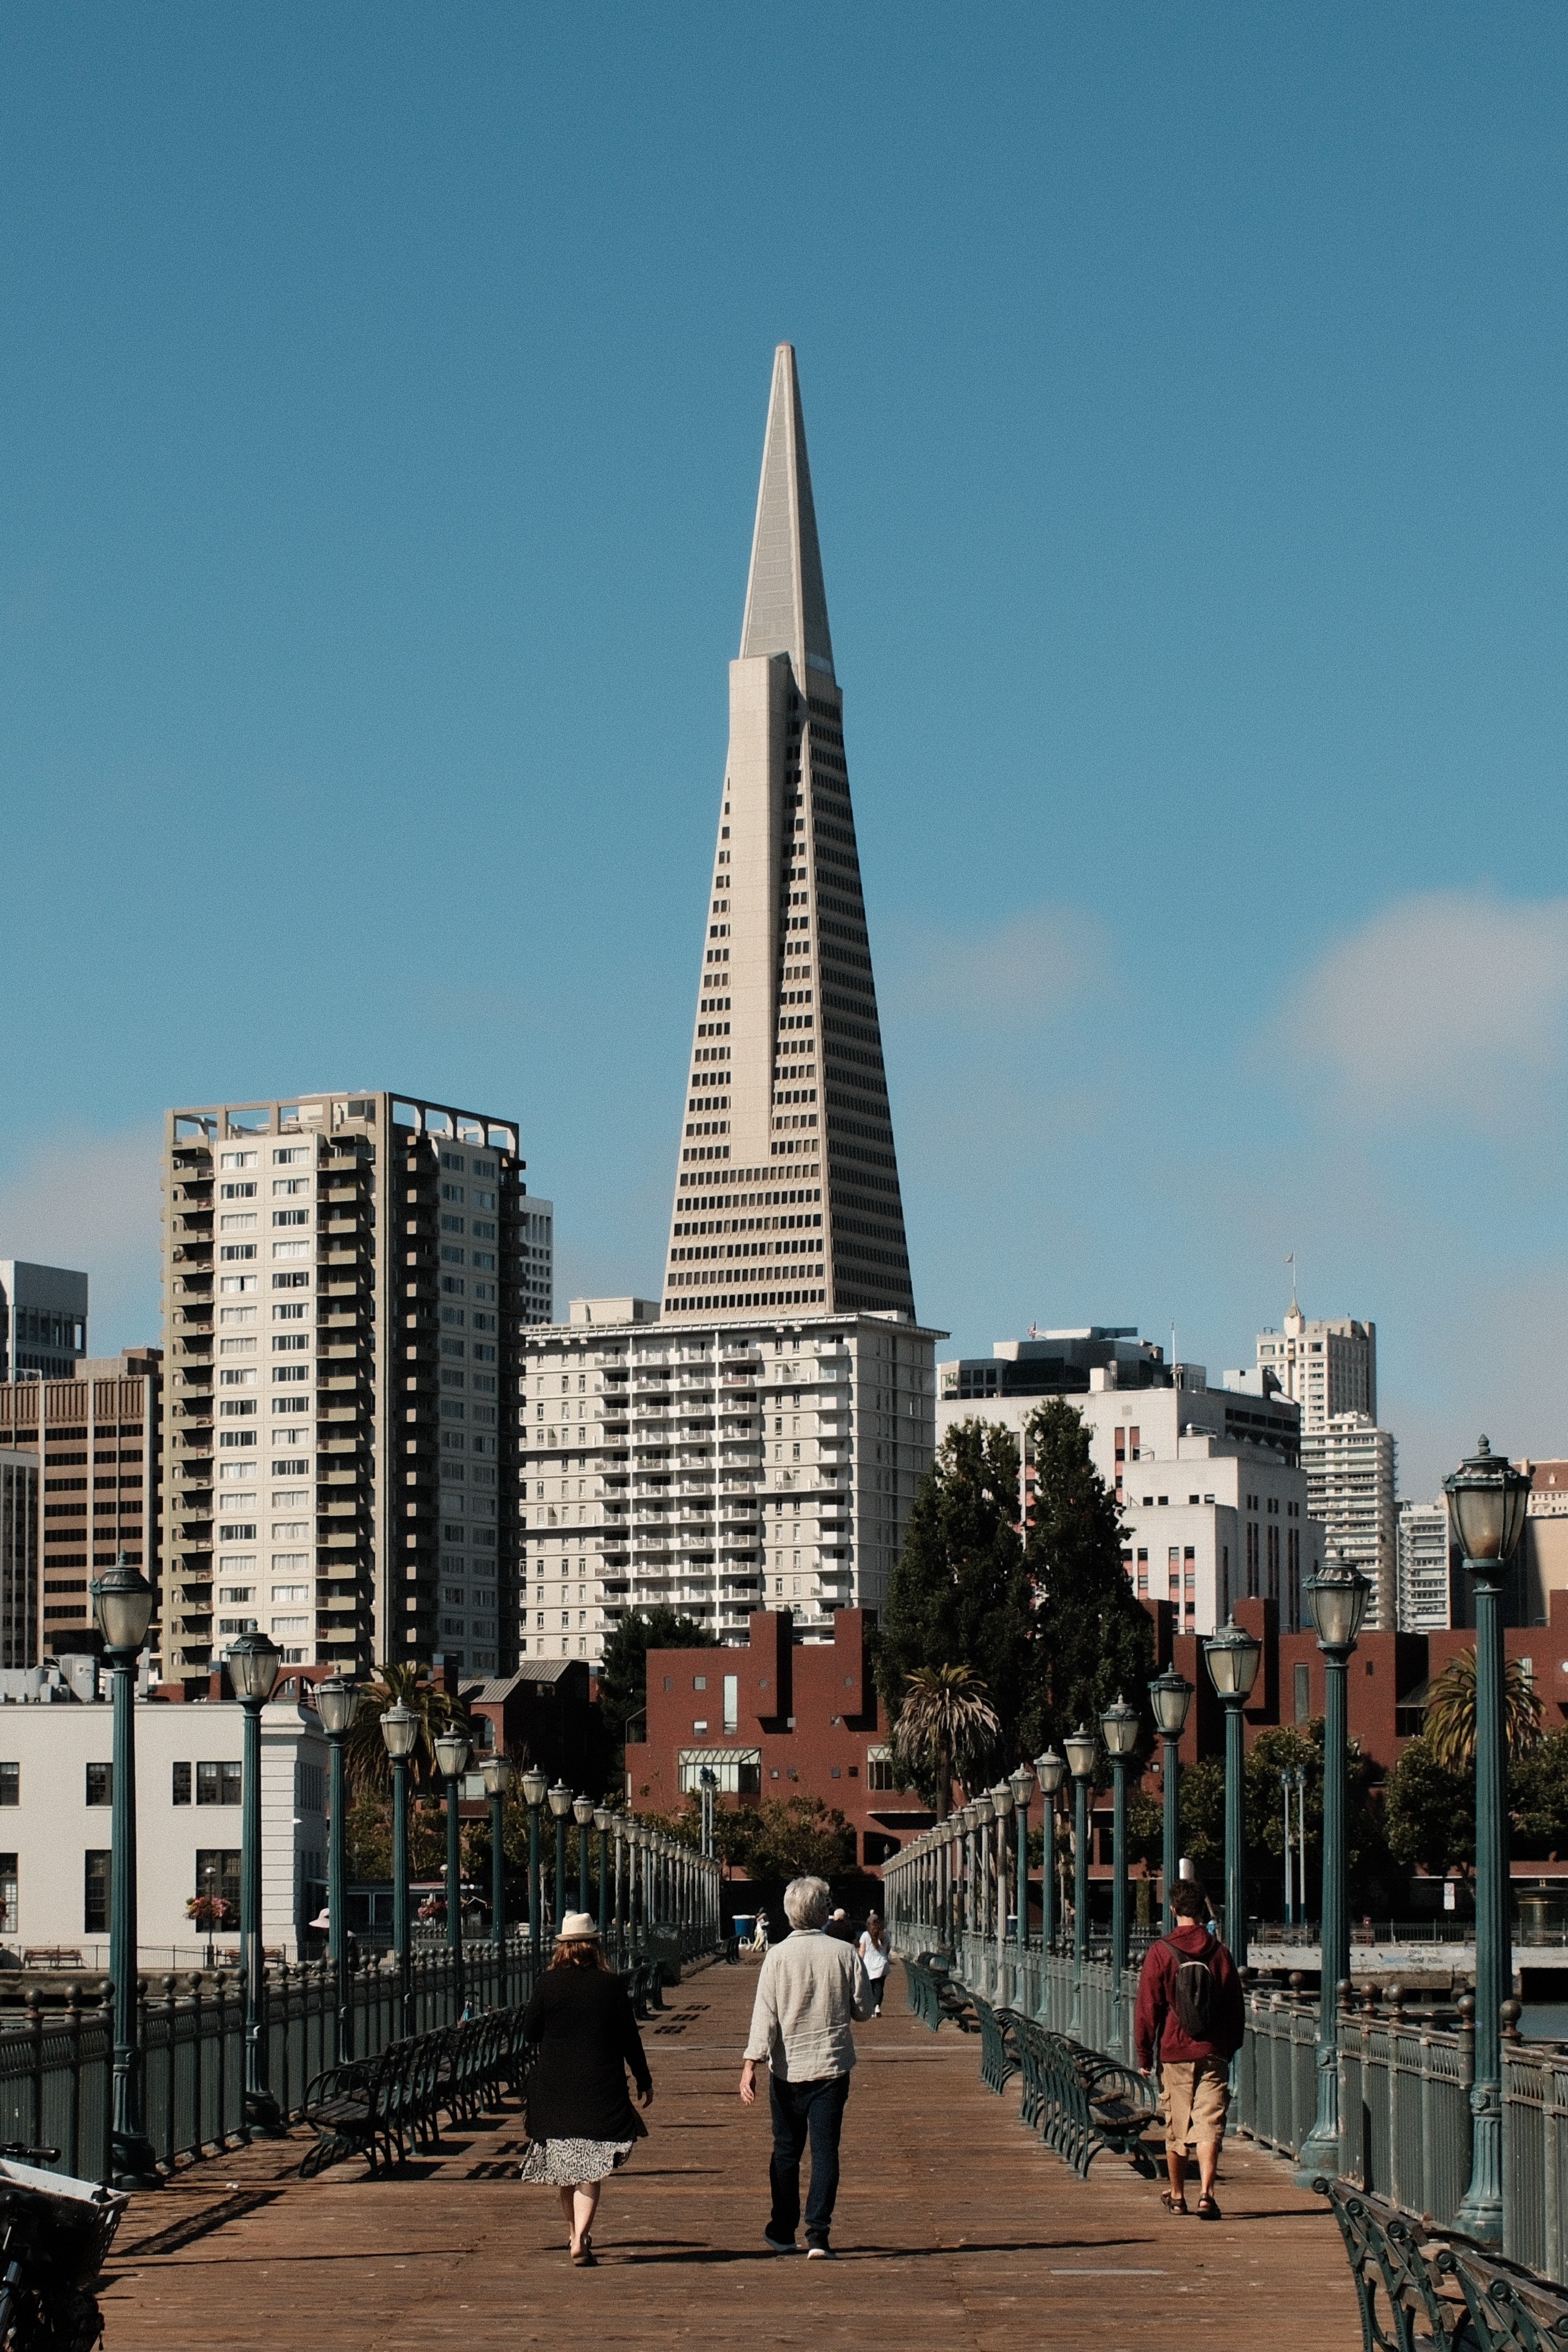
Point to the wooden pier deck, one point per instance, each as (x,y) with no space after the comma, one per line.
(955,2228)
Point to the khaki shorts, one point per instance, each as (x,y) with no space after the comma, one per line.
(1194,2097)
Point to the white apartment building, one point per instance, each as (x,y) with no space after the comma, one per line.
(1327,1365)
(715,1468)
(1213,1499)
(1352,1473)
(346,1281)
(57,1788)
(1423,1533)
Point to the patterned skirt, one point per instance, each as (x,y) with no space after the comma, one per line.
(567,2163)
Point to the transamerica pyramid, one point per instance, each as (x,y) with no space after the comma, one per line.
(787,1188)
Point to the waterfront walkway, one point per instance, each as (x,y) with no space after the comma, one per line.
(955,2228)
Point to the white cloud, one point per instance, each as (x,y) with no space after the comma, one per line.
(1020,974)
(1446,999)
(93,1203)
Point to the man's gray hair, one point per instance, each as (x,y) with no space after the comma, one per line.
(805,1902)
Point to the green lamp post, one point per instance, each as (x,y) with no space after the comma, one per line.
(253,1662)
(560,1804)
(984,1815)
(603,1820)
(1001,1798)
(400,1734)
(1080,1746)
(122,1604)
(500,1774)
(1022,1780)
(535,1787)
(1118,1729)
(452,1762)
(1232,1657)
(1170,1696)
(1337,1597)
(336,1704)
(1050,1770)
(582,1815)
(1488,1498)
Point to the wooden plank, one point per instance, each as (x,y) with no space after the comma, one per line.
(955,2228)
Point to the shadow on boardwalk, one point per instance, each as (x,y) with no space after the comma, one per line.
(954,2229)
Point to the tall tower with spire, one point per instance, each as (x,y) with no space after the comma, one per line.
(786,1192)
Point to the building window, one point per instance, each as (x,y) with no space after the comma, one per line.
(180,1788)
(10,1784)
(217,1872)
(1303,1692)
(100,1784)
(95,1892)
(217,1784)
(10,1909)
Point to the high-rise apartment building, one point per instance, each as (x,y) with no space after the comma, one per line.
(1351,1470)
(1422,1567)
(43,1320)
(786,1192)
(1329,1365)
(92,1442)
(758,1442)
(346,1280)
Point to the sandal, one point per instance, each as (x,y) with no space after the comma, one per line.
(1208,2211)
(1172,2203)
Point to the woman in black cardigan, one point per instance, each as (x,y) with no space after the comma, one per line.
(581,2124)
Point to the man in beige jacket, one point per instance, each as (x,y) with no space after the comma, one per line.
(809,1989)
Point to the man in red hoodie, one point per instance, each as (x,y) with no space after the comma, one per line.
(1191,2019)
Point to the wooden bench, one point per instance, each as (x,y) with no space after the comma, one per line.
(933,1996)
(51,1955)
(1081,2103)
(379,2107)
(998,2052)
(1420,2287)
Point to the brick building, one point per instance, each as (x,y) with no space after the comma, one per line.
(775,1717)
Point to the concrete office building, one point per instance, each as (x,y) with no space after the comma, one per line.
(1212,1498)
(1351,1474)
(1423,1538)
(43,1320)
(346,1280)
(1327,1365)
(716,1467)
(18,1558)
(93,1445)
(787,1190)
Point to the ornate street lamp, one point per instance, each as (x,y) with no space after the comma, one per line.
(1002,1806)
(1337,1597)
(400,1734)
(1118,1729)
(336,1704)
(1050,1770)
(1080,1746)
(253,1662)
(604,1820)
(582,1815)
(1170,1696)
(452,1762)
(983,1812)
(536,1785)
(1232,1657)
(1488,1498)
(500,1774)
(1023,1785)
(122,1604)
(560,1804)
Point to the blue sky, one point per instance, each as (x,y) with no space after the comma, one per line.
(381,401)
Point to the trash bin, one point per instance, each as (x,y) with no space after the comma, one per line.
(745,1926)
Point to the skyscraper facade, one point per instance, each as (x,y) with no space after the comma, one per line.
(346,1279)
(43,1320)
(786,1189)
(1329,1364)
(755,1438)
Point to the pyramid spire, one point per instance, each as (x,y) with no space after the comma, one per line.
(786,603)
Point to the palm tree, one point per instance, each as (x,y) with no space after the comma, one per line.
(365,1753)
(1451,1712)
(946,1718)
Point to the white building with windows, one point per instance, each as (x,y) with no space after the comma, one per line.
(1423,1541)
(1327,1365)
(716,1469)
(1212,1498)
(56,1809)
(1352,1471)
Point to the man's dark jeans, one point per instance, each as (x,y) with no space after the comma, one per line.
(803,2111)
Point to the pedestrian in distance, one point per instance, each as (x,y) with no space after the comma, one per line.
(839,1925)
(876,1959)
(581,2124)
(809,1989)
(1190,2020)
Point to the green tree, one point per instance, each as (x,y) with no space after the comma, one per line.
(1092,1641)
(364,1751)
(1429,1813)
(958,1595)
(1538,1799)
(946,1725)
(798,1837)
(1451,1711)
(623,1670)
